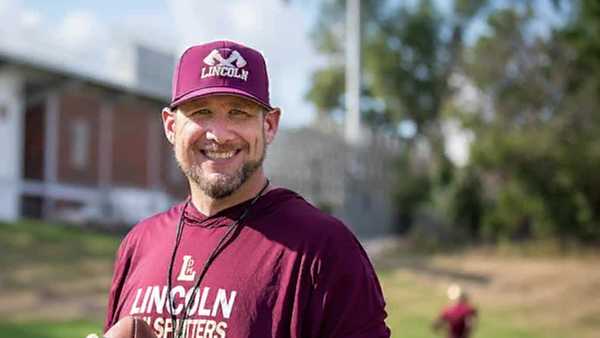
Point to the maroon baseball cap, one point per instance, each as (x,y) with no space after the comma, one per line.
(221,67)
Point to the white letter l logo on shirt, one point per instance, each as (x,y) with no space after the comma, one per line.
(187,272)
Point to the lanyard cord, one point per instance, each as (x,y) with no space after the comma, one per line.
(223,242)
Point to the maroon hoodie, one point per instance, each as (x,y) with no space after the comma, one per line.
(292,271)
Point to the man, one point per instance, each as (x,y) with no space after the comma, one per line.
(459,317)
(239,258)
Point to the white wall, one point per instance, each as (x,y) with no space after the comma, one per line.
(11,144)
(132,205)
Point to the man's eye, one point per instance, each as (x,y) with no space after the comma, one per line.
(239,113)
(200,112)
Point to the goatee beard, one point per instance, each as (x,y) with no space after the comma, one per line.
(224,185)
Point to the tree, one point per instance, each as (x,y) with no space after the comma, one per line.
(536,128)
(540,138)
(409,54)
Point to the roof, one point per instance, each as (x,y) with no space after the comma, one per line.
(62,70)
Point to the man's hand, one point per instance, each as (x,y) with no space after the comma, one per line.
(130,327)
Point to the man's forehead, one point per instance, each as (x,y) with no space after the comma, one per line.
(229,100)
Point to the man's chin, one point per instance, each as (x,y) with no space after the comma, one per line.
(215,176)
(217,179)
(219,185)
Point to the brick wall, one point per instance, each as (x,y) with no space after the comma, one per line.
(78,139)
(141,156)
(130,130)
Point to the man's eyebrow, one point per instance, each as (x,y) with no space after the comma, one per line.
(246,107)
(238,103)
(242,107)
(193,105)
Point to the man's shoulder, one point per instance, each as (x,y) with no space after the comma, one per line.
(150,232)
(301,218)
(302,227)
(294,207)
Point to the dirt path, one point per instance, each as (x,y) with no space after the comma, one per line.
(559,294)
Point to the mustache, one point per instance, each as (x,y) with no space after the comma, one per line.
(219,147)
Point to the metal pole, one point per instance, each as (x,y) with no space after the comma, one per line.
(352,121)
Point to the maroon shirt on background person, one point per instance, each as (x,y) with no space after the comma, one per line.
(458,317)
(292,271)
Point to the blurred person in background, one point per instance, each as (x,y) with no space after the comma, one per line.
(459,317)
(239,257)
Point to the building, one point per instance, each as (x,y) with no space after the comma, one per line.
(80,148)
(85,149)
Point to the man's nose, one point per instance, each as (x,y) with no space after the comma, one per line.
(219,131)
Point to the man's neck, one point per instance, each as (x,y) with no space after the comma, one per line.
(210,206)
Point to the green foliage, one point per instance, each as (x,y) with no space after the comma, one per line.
(583,34)
(402,58)
(408,54)
(467,203)
(539,145)
(324,92)
(411,192)
(536,123)
(515,215)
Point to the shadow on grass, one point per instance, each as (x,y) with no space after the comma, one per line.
(422,265)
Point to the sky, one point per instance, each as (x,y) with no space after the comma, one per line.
(88,36)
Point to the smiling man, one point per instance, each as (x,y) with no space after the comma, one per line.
(239,257)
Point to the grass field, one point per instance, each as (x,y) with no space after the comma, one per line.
(54,280)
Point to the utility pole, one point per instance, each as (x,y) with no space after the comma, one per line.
(352,120)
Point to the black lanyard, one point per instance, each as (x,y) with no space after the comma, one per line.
(223,242)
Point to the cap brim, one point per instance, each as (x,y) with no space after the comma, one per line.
(218,91)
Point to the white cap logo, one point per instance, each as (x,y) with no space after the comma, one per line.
(225,67)
(215,56)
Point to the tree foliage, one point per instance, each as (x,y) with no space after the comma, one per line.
(536,124)
(408,55)
(542,137)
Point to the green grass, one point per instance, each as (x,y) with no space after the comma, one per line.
(33,251)
(34,241)
(412,308)
(44,329)
(57,253)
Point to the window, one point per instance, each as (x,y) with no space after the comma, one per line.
(80,144)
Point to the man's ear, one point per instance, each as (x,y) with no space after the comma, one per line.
(168,118)
(271,124)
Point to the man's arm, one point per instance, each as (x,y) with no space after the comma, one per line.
(121,270)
